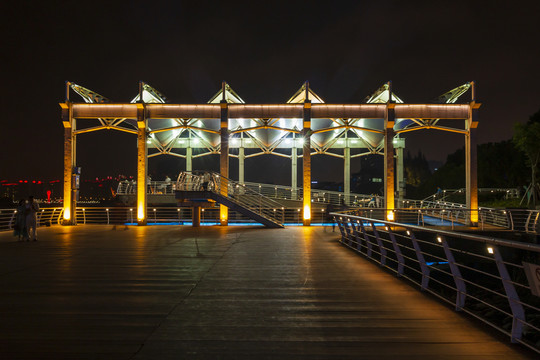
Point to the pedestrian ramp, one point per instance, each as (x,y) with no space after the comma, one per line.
(204,189)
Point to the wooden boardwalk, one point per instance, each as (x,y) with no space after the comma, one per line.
(171,292)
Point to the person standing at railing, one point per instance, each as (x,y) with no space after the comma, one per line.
(167,184)
(372,201)
(150,185)
(19,228)
(32,208)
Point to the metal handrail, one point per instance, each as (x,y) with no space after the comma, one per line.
(513,219)
(482,276)
(45,217)
(234,191)
(279,192)
(510,193)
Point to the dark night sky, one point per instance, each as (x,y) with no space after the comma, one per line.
(265,50)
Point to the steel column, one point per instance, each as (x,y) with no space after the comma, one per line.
(196,216)
(306,154)
(241,160)
(347,173)
(142,164)
(389,161)
(294,169)
(471,159)
(224,161)
(70,204)
(399,145)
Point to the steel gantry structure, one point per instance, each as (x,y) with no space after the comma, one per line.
(305,122)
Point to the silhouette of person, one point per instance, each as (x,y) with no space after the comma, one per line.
(32,208)
(19,228)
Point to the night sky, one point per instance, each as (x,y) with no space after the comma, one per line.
(265,51)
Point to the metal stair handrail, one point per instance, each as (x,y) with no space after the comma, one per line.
(236,192)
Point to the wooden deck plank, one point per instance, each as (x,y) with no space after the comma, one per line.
(160,292)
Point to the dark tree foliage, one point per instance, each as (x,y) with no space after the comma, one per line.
(527,139)
(500,165)
(416,171)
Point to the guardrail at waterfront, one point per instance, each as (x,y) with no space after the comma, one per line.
(156,216)
(484,277)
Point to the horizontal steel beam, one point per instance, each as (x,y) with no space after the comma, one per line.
(257,111)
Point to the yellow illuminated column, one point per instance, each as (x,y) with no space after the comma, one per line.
(69,163)
(224,161)
(389,161)
(306,161)
(142,162)
(294,168)
(471,180)
(196,216)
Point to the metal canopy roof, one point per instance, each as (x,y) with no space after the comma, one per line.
(267,126)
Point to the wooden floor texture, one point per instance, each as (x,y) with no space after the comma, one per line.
(175,292)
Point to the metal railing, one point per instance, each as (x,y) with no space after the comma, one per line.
(45,217)
(235,192)
(484,277)
(156,215)
(509,193)
(278,192)
(152,187)
(513,219)
(317,195)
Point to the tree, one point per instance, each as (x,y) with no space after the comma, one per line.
(527,139)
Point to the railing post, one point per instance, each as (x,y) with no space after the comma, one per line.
(379,243)
(349,229)
(340,226)
(399,255)
(461,293)
(357,235)
(423,266)
(366,238)
(518,314)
